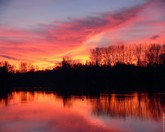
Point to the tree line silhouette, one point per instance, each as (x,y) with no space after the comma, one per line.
(117,67)
(140,55)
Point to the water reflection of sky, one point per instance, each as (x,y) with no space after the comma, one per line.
(42,112)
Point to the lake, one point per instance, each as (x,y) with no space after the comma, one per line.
(51,112)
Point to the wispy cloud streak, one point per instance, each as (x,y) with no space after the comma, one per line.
(46,43)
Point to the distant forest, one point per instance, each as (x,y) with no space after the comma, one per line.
(117,67)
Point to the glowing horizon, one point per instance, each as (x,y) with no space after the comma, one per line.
(42,32)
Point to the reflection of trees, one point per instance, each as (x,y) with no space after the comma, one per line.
(146,106)
(25,97)
(138,105)
(29,96)
(15,97)
(4,98)
(67,101)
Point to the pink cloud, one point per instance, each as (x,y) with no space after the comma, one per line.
(47,43)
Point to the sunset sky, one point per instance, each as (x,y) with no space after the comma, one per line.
(41,32)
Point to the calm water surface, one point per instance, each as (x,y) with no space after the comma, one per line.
(49,112)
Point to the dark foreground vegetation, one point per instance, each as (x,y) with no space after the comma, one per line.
(95,78)
(108,70)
